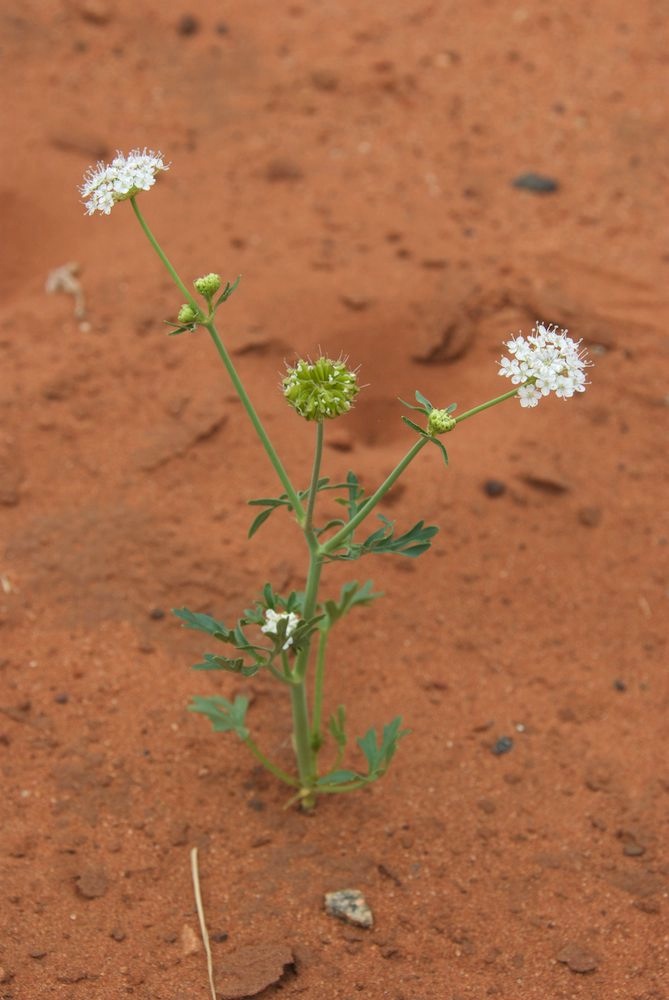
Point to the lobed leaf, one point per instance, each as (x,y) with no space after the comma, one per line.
(235,665)
(225,716)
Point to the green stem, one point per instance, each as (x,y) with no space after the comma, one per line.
(159,250)
(227,361)
(255,420)
(340,537)
(319,678)
(304,752)
(301,736)
(315,472)
(486,406)
(266,762)
(277,673)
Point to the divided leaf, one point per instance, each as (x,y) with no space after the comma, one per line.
(351,594)
(412,543)
(236,666)
(225,716)
(378,757)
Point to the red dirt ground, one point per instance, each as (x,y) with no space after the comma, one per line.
(354,161)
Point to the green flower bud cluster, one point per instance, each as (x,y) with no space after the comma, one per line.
(208,285)
(321,390)
(440,421)
(188,315)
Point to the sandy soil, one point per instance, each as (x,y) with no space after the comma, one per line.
(355,162)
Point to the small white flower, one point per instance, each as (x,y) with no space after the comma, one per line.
(529,395)
(106,184)
(545,361)
(272,618)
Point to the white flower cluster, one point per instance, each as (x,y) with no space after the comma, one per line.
(107,184)
(545,361)
(272,618)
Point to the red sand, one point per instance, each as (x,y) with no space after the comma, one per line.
(355,163)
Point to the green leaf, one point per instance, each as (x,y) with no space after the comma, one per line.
(442,449)
(379,757)
(339,778)
(259,520)
(424,402)
(337,726)
(225,716)
(203,623)
(234,665)
(412,543)
(410,406)
(414,426)
(227,292)
(351,594)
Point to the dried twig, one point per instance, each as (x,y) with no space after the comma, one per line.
(200,914)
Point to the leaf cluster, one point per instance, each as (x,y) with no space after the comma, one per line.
(255,654)
(412,543)
(378,756)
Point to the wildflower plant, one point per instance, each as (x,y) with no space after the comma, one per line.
(286,635)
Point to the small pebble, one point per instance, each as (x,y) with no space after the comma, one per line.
(619,685)
(92,884)
(279,170)
(577,959)
(349,905)
(494,488)
(634,850)
(503,745)
(324,79)
(188,24)
(62,698)
(536,183)
(94,11)
(590,516)
(156,614)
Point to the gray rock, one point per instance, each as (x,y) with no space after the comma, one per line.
(349,905)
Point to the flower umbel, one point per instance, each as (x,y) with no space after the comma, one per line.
(545,361)
(208,285)
(272,619)
(106,184)
(439,422)
(321,390)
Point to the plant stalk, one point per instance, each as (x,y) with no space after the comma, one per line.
(230,368)
(340,537)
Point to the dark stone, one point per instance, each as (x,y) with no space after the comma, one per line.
(536,183)
(494,488)
(503,745)
(188,24)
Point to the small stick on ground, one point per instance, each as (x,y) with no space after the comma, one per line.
(200,913)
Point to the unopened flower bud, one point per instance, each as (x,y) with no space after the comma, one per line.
(208,285)
(321,390)
(187,314)
(440,421)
